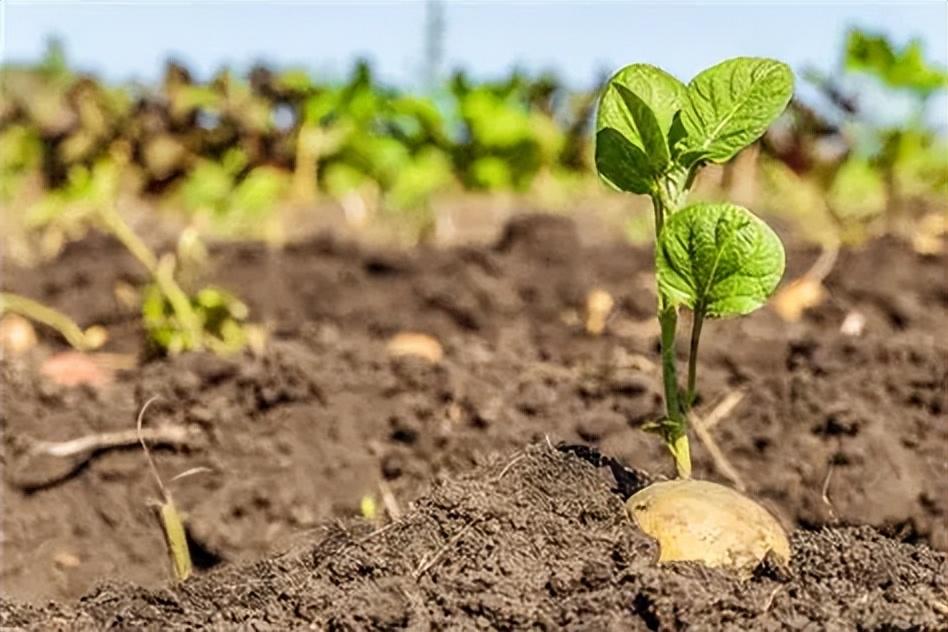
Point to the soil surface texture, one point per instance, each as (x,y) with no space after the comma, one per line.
(831,428)
(540,541)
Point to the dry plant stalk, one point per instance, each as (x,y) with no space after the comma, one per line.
(172,526)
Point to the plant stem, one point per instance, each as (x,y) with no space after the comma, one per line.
(162,272)
(124,233)
(696,323)
(48,316)
(665,200)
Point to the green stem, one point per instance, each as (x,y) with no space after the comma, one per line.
(180,303)
(124,233)
(48,316)
(162,272)
(675,428)
(666,199)
(696,323)
(658,209)
(668,320)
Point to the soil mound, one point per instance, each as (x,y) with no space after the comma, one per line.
(538,540)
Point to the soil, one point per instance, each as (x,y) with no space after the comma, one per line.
(540,541)
(832,430)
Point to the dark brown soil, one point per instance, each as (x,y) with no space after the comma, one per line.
(833,429)
(538,541)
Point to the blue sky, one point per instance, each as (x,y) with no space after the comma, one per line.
(125,40)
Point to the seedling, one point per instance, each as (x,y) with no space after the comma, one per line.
(209,319)
(653,135)
(172,526)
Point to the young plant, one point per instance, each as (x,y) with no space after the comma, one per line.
(172,526)
(653,135)
(175,320)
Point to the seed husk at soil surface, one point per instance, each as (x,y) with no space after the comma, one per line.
(705,522)
(832,428)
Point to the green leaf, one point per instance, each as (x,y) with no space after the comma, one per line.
(651,134)
(732,104)
(621,164)
(718,259)
(661,92)
(639,104)
(905,69)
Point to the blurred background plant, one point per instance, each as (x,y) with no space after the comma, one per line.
(230,150)
(850,169)
(226,155)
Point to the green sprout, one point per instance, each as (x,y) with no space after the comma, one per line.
(176,321)
(653,135)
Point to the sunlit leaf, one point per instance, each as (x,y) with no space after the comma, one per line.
(732,104)
(718,260)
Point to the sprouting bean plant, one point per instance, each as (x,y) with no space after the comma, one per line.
(653,135)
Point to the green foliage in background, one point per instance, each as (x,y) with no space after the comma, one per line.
(229,149)
(851,170)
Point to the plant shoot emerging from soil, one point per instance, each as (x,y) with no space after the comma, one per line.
(653,135)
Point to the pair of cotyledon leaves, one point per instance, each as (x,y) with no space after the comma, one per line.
(717,259)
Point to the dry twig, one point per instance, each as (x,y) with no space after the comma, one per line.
(825,493)
(509,465)
(168,435)
(702,428)
(389,501)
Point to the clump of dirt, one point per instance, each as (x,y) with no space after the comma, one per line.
(832,429)
(536,540)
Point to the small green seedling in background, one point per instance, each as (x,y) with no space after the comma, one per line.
(653,135)
(171,524)
(175,320)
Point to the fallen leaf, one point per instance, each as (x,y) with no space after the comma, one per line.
(853,324)
(73,368)
(65,559)
(927,238)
